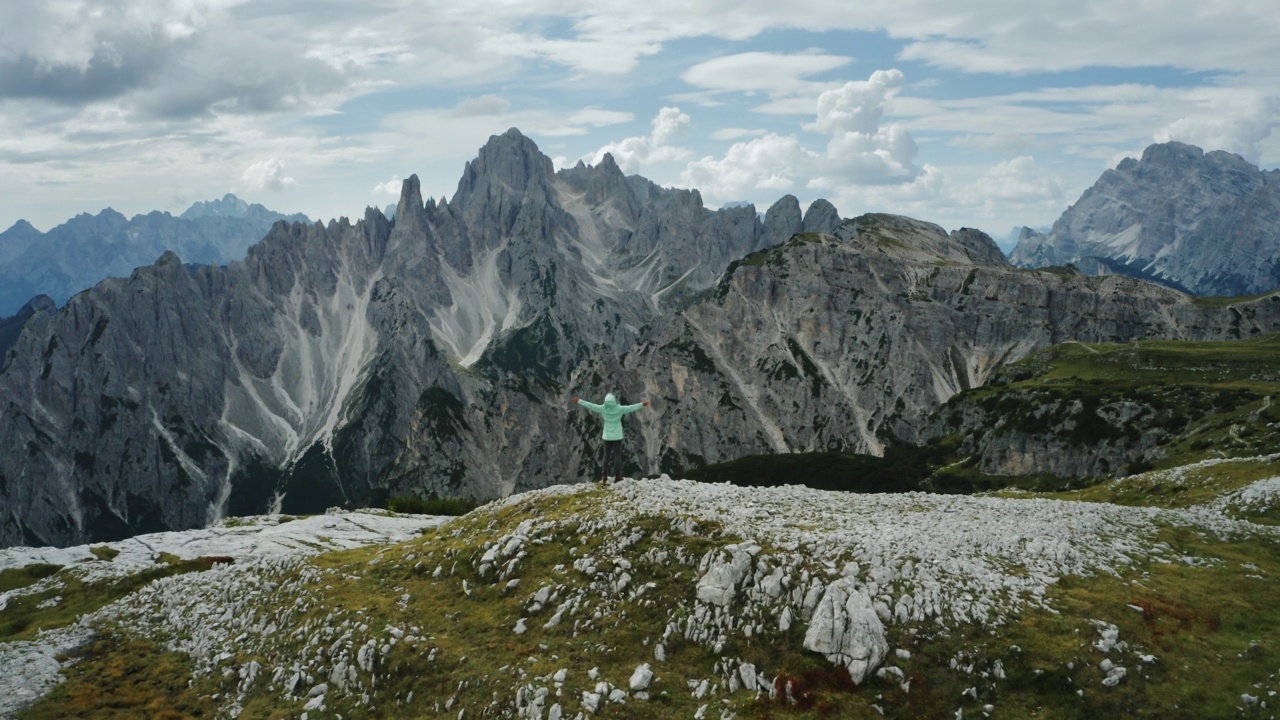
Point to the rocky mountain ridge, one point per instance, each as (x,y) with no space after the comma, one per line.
(11,327)
(851,340)
(88,248)
(1207,223)
(339,364)
(346,363)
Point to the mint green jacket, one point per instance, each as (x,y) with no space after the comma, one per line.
(612,413)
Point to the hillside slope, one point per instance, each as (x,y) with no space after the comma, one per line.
(665,598)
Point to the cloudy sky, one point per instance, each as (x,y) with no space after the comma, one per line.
(986,113)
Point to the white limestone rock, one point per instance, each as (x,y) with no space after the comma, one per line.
(846,628)
(722,571)
(641,678)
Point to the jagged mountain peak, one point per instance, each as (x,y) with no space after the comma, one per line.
(87,248)
(1223,171)
(107,214)
(168,258)
(1181,154)
(349,361)
(39,303)
(1172,151)
(783,218)
(410,198)
(608,164)
(229,206)
(1178,216)
(821,216)
(21,228)
(510,159)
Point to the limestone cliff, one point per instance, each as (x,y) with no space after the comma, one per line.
(435,354)
(343,363)
(1208,223)
(849,340)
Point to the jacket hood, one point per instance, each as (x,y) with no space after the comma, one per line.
(610,399)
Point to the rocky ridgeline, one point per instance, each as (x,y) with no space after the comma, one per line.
(714,583)
(343,364)
(89,248)
(850,340)
(1178,215)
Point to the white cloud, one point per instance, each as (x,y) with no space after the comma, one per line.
(772,162)
(1017,191)
(631,154)
(1005,142)
(858,152)
(857,106)
(581,121)
(391,187)
(481,106)
(1187,34)
(1098,121)
(267,175)
(1241,129)
(774,73)
(1018,181)
(868,158)
(921,197)
(669,125)
(733,133)
(123,101)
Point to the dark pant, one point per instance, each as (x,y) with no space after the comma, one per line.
(613,456)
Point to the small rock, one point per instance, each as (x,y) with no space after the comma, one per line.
(641,678)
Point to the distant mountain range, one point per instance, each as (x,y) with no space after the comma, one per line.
(1207,223)
(88,248)
(436,354)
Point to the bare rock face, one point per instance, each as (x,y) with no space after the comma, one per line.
(11,327)
(346,363)
(722,572)
(821,217)
(1208,223)
(852,340)
(846,629)
(341,364)
(783,219)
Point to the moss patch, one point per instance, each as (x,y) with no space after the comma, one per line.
(121,677)
(23,617)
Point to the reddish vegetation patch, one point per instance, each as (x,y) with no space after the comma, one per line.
(914,702)
(814,689)
(1164,618)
